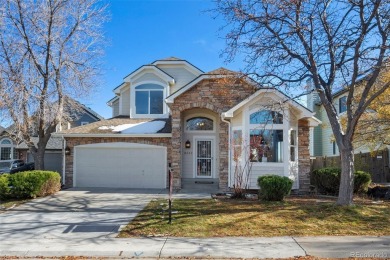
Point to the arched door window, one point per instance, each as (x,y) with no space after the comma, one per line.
(199,124)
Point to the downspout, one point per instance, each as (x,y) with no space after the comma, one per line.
(229,148)
(63,159)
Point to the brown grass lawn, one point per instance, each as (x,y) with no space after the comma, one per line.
(293,217)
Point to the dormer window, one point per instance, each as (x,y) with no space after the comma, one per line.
(149,99)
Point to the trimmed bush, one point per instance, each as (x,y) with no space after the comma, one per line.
(31,184)
(327,181)
(361,182)
(273,187)
(51,185)
(4,187)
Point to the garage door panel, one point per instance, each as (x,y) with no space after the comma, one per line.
(120,167)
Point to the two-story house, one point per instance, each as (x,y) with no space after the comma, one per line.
(322,142)
(204,125)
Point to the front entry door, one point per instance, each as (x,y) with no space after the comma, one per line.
(204,157)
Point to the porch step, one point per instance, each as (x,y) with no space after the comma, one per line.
(209,185)
(204,182)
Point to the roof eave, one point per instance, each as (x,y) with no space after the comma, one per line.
(165,76)
(161,135)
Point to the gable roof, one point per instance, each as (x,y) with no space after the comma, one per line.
(162,74)
(54,143)
(172,58)
(222,71)
(157,70)
(112,100)
(90,111)
(214,74)
(306,113)
(175,60)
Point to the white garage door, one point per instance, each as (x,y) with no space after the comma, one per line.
(120,165)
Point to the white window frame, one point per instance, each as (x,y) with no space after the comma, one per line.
(339,105)
(133,110)
(7,146)
(270,126)
(200,131)
(295,145)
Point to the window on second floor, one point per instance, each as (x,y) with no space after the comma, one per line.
(149,99)
(343,104)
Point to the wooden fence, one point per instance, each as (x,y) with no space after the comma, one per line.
(377,165)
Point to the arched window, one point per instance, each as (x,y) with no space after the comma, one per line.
(266,117)
(199,124)
(149,99)
(6,149)
(6,142)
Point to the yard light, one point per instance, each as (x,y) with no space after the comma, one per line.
(67,150)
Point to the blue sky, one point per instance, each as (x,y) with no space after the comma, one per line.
(141,32)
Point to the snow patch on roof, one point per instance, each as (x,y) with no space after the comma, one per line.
(151,127)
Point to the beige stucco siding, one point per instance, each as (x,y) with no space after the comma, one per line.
(115,108)
(181,75)
(125,102)
(147,77)
(237,120)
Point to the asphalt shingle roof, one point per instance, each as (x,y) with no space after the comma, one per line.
(93,128)
(54,143)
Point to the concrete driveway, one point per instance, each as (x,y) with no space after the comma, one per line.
(75,213)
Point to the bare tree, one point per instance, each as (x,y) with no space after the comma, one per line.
(49,50)
(333,43)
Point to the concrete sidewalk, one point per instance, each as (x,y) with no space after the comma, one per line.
(234,247)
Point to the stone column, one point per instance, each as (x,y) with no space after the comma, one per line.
(176,148)
(303,156)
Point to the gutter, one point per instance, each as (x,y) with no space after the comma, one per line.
(114,135)
(63,160)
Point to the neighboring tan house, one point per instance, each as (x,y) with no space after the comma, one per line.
(201,124)
(9,149)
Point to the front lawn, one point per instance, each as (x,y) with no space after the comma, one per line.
(293,217)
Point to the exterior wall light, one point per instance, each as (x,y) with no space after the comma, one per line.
(188,144)
(67,150)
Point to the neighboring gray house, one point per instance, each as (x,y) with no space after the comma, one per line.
(9,149)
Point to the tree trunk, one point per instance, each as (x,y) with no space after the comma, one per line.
(347,174)
(39,157)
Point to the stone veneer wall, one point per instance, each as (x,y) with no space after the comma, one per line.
(303,156)
(218,95)
(71,142)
